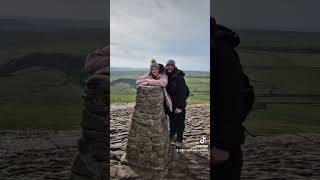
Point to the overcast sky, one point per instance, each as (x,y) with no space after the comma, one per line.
(297,15)
(160,29)
(71,9)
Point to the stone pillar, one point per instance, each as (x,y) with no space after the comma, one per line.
(148,140)
(91,161)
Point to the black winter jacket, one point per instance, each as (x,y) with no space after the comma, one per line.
(227,129)
(177,89)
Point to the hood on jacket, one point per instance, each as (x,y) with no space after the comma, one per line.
(225,34)
(180,73)
(161,70)
(176,73)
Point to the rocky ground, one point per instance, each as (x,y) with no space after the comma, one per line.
(47,154)
(37,154)
(189,163)
(282,157)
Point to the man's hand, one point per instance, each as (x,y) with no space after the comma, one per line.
(177,111)
(219,155)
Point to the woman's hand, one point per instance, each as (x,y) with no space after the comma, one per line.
(144,83)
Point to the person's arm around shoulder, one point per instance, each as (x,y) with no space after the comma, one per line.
(162,82)
(142,79)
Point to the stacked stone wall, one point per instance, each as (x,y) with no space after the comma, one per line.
(148,140)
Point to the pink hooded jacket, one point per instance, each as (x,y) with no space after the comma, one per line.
(161,80)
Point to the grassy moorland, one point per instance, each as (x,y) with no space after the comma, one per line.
(40,79)
(123,86)
(40,74)
(285,70)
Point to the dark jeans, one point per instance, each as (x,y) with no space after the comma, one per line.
(177,124)
(230,170)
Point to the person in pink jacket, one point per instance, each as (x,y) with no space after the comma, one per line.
(155,77)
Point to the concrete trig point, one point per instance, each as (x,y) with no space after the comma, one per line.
(148,140)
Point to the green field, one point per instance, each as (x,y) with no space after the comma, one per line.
(283,66)
(44,95)
(285,70)
(124,92)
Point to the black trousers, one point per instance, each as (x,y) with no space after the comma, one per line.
(177,124)
(231,169)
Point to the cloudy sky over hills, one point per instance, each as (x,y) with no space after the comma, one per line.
(178,29)
(293,15)
(71,9)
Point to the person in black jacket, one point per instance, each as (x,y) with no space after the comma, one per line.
(226,125)
(178,91)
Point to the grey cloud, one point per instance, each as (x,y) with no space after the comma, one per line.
(73,9)
(297,15)
(164,29)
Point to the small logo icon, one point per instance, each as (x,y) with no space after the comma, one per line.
(202,140)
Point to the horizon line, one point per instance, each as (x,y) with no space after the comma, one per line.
(147,68)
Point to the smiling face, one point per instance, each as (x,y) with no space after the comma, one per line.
(169,68)
(154,71)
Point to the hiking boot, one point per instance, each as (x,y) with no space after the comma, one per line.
(172,141)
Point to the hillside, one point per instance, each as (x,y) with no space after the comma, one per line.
(40,67)
(284,68)
(69,64)
(43,76)
(123,85)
